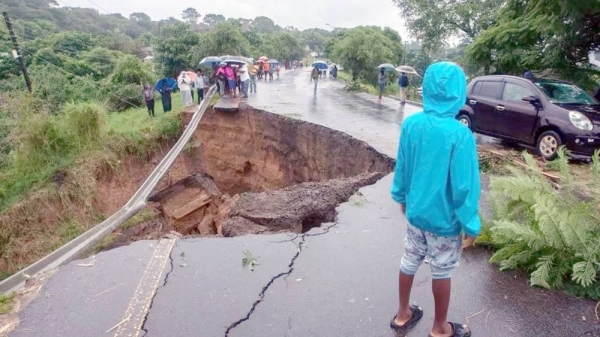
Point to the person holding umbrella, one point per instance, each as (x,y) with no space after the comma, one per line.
(245,79)
(221,78)
(267,69)
(314,76)
(403,84)
(253,73)
(185,86)
(164,87)
(230,75)
(381,78)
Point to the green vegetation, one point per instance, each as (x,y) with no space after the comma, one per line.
(6,303)
(551,38)
(552,231)
(139,218)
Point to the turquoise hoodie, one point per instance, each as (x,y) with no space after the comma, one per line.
(437,173)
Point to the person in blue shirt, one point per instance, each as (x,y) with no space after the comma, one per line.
(436,183)
(403,84)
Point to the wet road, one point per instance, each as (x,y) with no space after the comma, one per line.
(361,116)
(337,280)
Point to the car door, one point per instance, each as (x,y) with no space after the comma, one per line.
(483,101)
(518,118)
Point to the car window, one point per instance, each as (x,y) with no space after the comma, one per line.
(490,89)
(476,88)
(565,93)
(515,93)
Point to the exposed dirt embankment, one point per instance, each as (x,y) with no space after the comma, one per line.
(291,175)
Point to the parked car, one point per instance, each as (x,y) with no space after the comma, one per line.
(541,113)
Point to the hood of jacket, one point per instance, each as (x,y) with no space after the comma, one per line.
(444,90)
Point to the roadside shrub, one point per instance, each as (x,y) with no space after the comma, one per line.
(122,97)
(85,121)
(40,138)
(551,231)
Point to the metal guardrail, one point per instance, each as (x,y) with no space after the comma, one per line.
(86,241)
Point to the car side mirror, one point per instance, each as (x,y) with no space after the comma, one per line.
(531,99)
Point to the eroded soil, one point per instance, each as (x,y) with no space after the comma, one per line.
(253,172)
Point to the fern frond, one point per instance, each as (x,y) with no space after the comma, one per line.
(506,252)
(547,216)
(505,231)
(564,168)
(516,260)
(584,273)
(541,276)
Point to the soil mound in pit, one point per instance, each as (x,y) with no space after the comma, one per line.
(260,172)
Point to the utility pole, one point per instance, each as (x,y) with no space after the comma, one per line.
(16,51)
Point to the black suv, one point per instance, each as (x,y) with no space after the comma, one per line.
(538,112)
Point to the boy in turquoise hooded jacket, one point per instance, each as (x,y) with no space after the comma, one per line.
(436,182)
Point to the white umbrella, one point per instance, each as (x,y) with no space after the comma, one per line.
(407,70)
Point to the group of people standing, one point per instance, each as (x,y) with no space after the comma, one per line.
(187,81)
(235,78)
(266,70)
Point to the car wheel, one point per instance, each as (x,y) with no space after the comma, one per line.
(548,144)
(465,120)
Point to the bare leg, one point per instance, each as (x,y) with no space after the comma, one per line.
(441,295)
(405,285)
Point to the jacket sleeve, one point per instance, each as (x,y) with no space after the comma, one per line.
(464,180)
(399,184)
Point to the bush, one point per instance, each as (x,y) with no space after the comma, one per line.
(124,97)
(85,121)
(553,232)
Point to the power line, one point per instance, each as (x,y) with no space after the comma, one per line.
(70,51)
(80,77)
(93,3)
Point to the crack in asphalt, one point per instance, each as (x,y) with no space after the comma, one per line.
(261,295)
(143,328)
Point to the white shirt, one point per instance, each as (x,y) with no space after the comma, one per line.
(244,73)
(199,82)
(184,82)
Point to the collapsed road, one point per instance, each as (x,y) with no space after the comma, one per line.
(338,279)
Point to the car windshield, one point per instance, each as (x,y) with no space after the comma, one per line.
(564,93)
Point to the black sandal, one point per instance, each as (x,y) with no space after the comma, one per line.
(460,330)
(417,314)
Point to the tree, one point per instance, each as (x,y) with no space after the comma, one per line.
(190,15)
(362,49)
(263,24)
(212,19)
(139,17)
(131,70)
(172,48)
(434,22)
(227,39)
(285,46)
(552,38)
(315,39)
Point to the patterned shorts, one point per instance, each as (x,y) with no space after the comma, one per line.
(444,252)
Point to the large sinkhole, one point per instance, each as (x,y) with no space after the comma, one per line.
(259,172)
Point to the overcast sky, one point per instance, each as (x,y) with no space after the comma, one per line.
(301,14)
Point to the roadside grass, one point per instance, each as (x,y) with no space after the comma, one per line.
(139,218)
(49,144)
(48,189)
(6,303)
